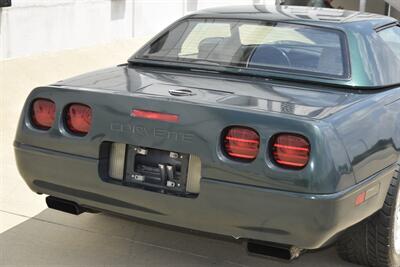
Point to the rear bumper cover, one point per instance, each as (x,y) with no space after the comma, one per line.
(307,221)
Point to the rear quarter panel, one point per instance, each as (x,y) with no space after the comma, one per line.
(370,132)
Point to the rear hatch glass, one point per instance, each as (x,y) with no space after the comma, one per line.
(253,45)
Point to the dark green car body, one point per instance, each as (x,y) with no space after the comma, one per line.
(352,124)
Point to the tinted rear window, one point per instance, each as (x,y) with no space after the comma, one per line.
(253,45)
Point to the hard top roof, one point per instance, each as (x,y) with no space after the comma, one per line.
(335,18)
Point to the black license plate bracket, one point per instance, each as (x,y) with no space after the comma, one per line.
(157,170)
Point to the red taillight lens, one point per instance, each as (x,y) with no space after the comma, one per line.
(291,150)
(79,118)
(43,113)
(152,115)
(241,143)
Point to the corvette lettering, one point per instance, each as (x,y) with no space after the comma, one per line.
(151,132)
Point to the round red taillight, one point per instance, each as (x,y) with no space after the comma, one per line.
(79,118)
(290,150)
(241,143)
(43,113)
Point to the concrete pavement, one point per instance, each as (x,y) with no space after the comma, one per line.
(32,235)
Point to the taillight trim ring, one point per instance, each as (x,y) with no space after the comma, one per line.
(65,120)
(30,116)
(224,151)
(270,151)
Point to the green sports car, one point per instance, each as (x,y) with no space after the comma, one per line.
(278,126)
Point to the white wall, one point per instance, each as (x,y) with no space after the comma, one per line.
(394,3)
(151,16)
(213,3)
(373,6)
(34,26)
(37,26)
(395,13)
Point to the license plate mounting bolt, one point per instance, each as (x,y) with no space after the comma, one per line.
(173,155)
(141,151)
(171,184)
(139,178)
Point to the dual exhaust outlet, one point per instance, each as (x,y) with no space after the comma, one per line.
(254,247)
(64,205)
(273,250)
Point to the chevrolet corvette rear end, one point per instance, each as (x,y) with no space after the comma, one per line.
(266,127)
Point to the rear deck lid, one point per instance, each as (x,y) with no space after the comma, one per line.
(232,92)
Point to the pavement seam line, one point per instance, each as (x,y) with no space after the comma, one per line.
(112,236)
